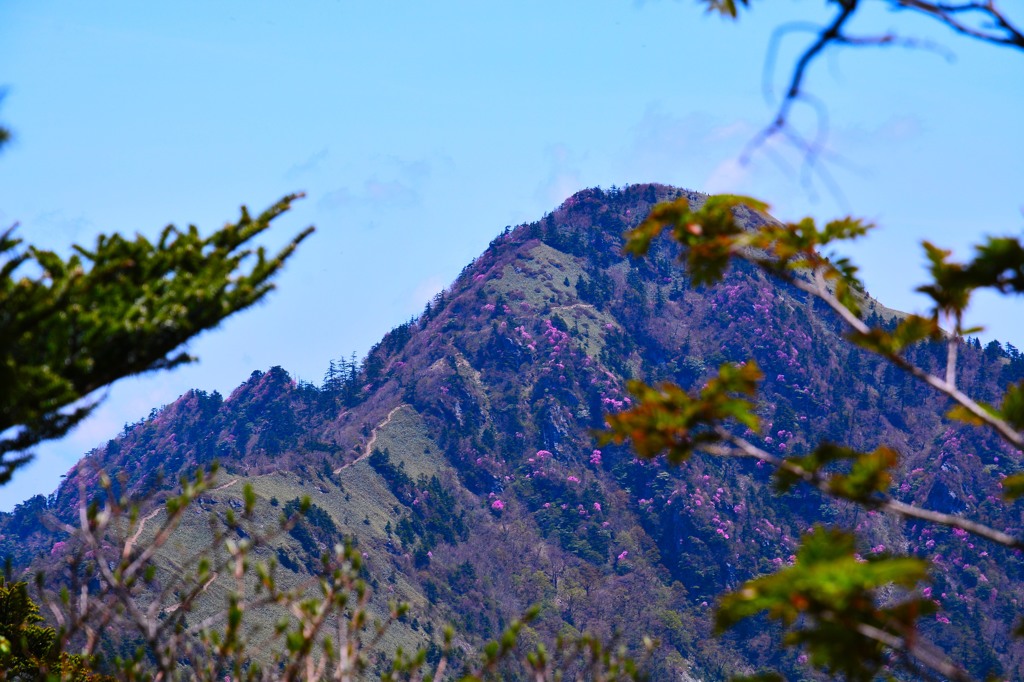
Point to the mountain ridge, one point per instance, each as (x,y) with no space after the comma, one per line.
(490,397)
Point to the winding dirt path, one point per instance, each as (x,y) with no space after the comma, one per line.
(145,519)
(138,531)
(226,485)
(373,439)
(574,306)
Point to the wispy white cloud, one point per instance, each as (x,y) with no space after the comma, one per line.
(393,182)
(564,179)
(739,129)
(664,135)
(307,166)
(728,176)
(424,291)
(893,130)
(666,147)
(374,193)
(410,170)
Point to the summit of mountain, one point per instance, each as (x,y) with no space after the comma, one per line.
(460,452)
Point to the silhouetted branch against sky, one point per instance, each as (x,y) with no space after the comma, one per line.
(981,21)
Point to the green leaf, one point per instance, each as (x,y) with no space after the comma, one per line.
(1013,486)
(999,264)
(825,595)
(962,414)
(294,641)
(1012,407)
(249,495)
(911,330)
(868,472)
(709,235)
(726,8)
(669,420)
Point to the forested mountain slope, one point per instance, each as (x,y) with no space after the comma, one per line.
(461,453)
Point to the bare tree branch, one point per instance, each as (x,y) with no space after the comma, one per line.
(999,31)
(744,448)
(991,26)
(925,653)
(942,385)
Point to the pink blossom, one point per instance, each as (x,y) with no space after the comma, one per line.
(497,505)
(597,506)
(624,554)
(572,479)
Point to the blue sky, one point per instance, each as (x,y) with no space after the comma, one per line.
(420,130)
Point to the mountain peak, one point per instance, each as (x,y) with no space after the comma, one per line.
(460,451)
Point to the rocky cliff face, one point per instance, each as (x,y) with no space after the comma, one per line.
(461,452)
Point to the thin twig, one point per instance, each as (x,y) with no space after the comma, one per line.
(927,655)
(743,447)
(820,290)
(951,347)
